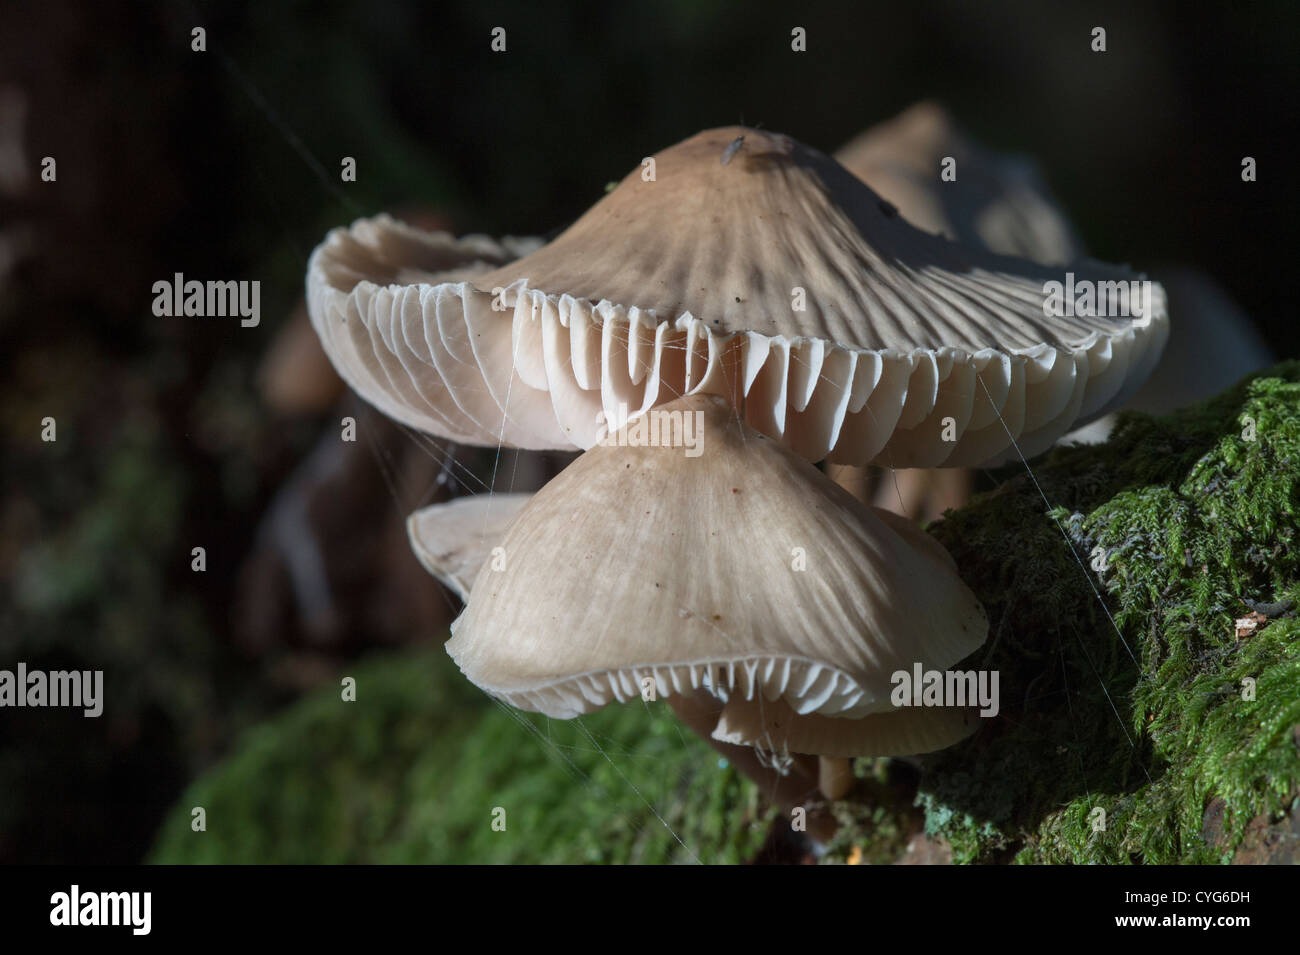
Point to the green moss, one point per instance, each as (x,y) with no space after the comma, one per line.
(413,770)
(1121,692)
(1129,698)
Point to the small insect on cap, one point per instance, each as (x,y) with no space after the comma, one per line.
(776,280)
(724,562)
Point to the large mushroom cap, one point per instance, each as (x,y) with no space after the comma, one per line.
(776,279)
(741,569)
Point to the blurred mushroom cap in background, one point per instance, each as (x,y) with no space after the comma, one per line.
(995,201)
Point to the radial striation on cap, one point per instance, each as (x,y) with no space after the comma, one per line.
(728,564)
(776,280)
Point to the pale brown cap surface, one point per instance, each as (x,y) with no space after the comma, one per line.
(777,280)
(453,540)
(742,570)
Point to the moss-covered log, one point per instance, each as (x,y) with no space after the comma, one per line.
(1138,722)
(421,765)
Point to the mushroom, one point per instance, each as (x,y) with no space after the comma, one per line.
(777,280)
(750,279)
(371,288)
(742,571)
(453,540)
(993,201)
(996,202)
(1216,347)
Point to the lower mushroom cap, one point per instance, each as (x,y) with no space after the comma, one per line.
(454,540)
(740,569)
(774,727)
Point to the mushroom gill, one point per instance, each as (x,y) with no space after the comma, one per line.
(796,292)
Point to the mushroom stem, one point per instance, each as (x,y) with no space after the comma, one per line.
(834,776)
(855,480)
(699,711)
(791,789)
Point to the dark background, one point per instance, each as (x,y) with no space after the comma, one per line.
(225,164)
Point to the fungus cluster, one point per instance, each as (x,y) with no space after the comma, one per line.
(758,286)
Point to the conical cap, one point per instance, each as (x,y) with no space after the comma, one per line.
(729,563)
